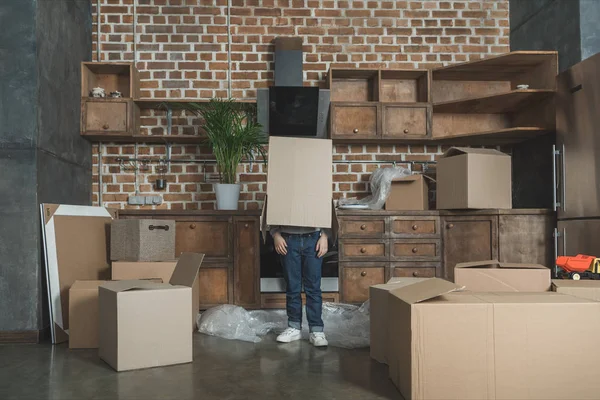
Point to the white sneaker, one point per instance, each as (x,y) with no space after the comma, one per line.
(318,339)
(289,335)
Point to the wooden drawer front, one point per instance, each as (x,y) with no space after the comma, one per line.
(374,250)
(415,227)
(354,121)
(214,286)
(357,280)
(209,237)
(362,227)
(415,250)
(409,272)
(277,300)
(109,116)
(404,121)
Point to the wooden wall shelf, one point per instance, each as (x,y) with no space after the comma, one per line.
(479,102)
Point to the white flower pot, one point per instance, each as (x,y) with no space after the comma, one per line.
(228,195)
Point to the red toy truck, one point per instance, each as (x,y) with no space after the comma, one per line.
(578,267)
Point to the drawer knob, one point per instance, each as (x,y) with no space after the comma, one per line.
(363,250)
(415,227)
(363,227)
(450,226)
(246,226)
(192,226)
(406,131)
(415,273)
(105,126)
(355,130)
(364,273)
(414,250)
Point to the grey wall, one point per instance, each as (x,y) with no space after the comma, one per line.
(42,157)
(547,25)
(589,17)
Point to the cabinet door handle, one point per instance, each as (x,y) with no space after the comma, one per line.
(450,226)
(415,227)
(415,250)
(153,227)
(192,226)
(406,131)
(355,130)
(363,250)
(105,126)
(415,273)
(364,273)
(363,227)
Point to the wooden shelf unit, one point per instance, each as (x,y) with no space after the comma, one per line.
(119,76)
(478,103)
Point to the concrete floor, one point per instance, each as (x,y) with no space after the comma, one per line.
(222,369)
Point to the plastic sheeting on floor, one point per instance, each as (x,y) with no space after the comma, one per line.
(345,325)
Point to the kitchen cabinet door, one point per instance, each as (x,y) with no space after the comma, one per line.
(247,263)
(469,238)
(526,239)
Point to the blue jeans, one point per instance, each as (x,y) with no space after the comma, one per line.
(302,266)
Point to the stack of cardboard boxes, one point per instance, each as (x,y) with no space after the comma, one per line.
(146,315)
(497,333)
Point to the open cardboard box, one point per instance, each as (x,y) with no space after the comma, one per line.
(495,276)
(145,324)
(408,193)
(585,289)
(505,345)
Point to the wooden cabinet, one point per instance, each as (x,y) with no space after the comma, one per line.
(469,238)
(230,273)
(377,245)
(109,118)
(355,121)
(524,239)
(402,121)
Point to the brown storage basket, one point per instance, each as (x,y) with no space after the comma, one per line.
(142,240)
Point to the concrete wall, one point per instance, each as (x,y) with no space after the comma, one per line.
(589,16)
(42,158)
(547,25)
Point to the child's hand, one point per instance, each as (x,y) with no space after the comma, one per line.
(280,244)
(322,245)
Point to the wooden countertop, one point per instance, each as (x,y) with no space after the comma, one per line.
(200,213)
(517,211)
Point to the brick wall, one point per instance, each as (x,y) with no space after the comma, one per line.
(181,51)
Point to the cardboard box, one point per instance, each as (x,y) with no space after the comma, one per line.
(473,178)
(408,193)
(145,324)
(492,345)
(378,297)
(83,314)
(494,276)
(142,240)
(585,289)
(122,270)
(299,182)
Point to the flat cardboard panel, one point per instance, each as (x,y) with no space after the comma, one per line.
(75,248)
(107,330)
(409,193)
(299,183)
(492,276)
(474,178)
(378,297)
(83,314)
(585,289)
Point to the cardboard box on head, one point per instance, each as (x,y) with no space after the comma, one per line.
(299,183)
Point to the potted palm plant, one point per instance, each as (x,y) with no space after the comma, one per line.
(234,135)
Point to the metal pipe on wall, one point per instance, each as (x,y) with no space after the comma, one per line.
(228,49)
(98,41)
(100,174)
(134,33)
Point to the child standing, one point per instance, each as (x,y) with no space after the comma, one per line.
(302,250)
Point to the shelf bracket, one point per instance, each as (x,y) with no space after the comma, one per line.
(169,119)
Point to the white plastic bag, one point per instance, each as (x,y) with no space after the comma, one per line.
(380,184)
(345,325)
